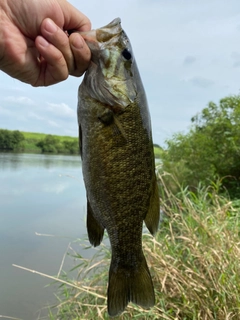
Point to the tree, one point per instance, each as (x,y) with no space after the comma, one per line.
(48,144)
(211,149)
(11,140)
(52,144)
(71,146)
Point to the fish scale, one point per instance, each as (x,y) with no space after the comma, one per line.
(118,163)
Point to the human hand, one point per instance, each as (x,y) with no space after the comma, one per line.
(34,46)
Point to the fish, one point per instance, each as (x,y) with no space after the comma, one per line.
(116,147)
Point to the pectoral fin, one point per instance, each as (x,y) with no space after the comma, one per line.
(153,214)
(94,229)
(106,117)
(119,134)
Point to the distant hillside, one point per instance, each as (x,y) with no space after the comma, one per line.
(37,142)
(39,136)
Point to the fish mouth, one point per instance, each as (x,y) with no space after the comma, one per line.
(89,36)
(103,34)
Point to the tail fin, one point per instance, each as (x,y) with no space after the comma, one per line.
(127,285)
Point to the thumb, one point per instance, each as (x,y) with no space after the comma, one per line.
(73,18)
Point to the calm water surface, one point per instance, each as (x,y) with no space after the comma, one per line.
(39,194)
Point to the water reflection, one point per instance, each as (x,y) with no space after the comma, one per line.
(43,194)
(19,160)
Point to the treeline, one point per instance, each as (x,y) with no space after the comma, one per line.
(11,140)
(30,142)
(50,144)
(43,143)
(210,152)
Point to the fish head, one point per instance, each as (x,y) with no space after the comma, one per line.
(111,75)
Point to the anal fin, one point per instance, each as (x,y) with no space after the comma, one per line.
(94,228)
(153,214)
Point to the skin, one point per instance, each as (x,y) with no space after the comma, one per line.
(34,47)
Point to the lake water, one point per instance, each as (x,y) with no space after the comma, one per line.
(39,194)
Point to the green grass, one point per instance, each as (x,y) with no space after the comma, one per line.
(32,138)
(158,152)
(40,136)
(194,260)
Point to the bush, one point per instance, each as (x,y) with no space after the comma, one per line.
(210,150)
(11,140)
(48,144)
(51,144)
(71,146)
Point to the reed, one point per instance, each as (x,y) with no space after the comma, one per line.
(194,261)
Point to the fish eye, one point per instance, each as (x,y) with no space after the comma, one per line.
(126,54)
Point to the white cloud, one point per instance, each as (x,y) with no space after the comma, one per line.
(53,124)
(19,100)
(61,110)
(34,115)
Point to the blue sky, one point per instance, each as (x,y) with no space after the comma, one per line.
(188,53)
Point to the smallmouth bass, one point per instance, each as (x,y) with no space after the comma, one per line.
(118,165)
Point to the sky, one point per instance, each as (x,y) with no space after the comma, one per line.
(188,54)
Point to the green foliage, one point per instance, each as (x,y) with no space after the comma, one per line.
(72,146)
(210,150)
(51,144)
(36,136)
(40,142)
(11,140)
(37,142)
(157,151)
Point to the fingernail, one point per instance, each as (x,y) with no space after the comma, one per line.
(77,41)
(43,42)
(50,26)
